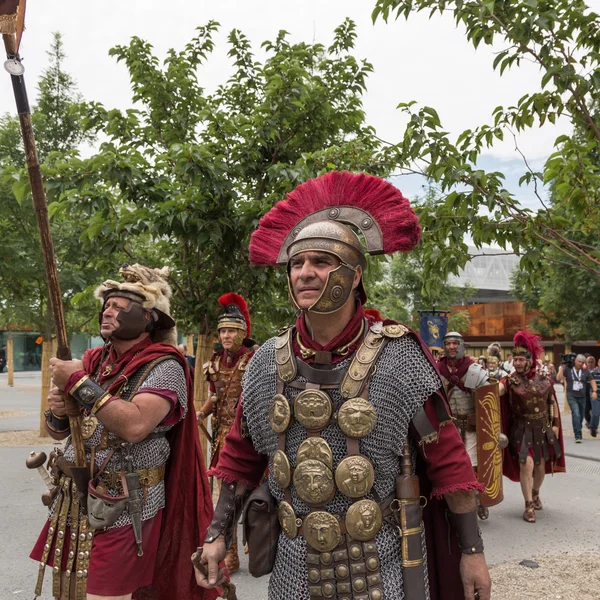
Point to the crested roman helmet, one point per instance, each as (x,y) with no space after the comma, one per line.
(235,316)
(454,335)
(527,344)
(324,214)
(149,309)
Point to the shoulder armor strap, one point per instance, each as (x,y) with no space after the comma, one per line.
(395,330)
(243,362)
(362,364)
(206,369)
(146,372)
(284,356)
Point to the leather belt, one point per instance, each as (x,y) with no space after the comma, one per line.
(148,477)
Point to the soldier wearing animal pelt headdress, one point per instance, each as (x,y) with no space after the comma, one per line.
(224,373)
(115,525)
(531,418)
(337,406)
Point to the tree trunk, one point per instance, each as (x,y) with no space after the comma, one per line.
(189,344)
(203,354)
(10,363)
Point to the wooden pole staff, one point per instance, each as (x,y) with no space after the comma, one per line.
(41,212)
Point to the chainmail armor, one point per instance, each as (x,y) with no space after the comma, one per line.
(403,380)
(147,454)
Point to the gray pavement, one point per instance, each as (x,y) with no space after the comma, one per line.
(570,519)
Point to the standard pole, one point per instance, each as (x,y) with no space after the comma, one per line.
(41,212)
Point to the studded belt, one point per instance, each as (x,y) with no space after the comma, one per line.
(148,477)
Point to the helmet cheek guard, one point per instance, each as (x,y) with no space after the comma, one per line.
(133,321)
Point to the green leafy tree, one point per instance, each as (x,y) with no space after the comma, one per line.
(56,118)
(194,171)
(562,38)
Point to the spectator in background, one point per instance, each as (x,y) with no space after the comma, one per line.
(482,360)
(551,371)
(191,360)
(591,419)
(507,365)
(576,377)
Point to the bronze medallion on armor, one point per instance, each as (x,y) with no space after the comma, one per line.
(88,426)
(315,448)
(357,417)
(280,413)
(322,531)
(282,472)
(355,476)
(314,482)
(312,409)
(287,519)
(363,520)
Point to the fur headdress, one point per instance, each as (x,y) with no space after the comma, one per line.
(150,288)
(495,349)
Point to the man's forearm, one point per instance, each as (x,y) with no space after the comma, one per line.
(461,502)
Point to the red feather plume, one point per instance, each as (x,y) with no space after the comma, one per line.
(528,339)
(233,298)
(384,202)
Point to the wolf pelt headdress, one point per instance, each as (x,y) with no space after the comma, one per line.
(148,287)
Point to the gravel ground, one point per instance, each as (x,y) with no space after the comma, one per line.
(25,438)
(565,576)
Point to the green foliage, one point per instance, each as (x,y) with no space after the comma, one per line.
(562,37)
(23,291)
(407,287)
(194,171)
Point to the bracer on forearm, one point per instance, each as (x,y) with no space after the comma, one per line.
(89,394)
(227,512)
(467,529)
(55,423)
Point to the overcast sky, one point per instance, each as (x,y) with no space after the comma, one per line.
(425,60)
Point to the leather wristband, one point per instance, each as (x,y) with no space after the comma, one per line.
(468,532)
(88,393)
(227,512)
(55,423)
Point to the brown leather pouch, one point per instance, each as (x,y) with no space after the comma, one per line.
(261,530)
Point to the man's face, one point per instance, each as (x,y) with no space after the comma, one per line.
(228,337)
(519,363)
(109,315)
(590,362)
(308,275)
(451,348)
(578,363)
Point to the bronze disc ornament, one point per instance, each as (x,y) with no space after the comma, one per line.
(280,413)
(315,448)
(282,472)
(355,476)
(357,418)
(363,520)
(287,519)
(314,482)
(322,531)
(312,409)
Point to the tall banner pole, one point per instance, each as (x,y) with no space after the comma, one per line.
(11,27)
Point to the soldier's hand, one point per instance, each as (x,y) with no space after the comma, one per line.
(475,577)
(200,415)
(61,370)
(56,402)
(212,554)
(555,430)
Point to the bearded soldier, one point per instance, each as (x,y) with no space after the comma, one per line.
(224,373)
(532,419)
(461,376)
(348,408)
(134,519)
